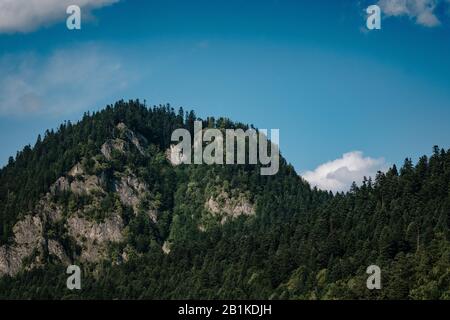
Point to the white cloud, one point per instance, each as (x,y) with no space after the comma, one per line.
(421,11)
(29,15)
(338,175)
(67,80)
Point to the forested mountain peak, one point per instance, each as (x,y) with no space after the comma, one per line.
(102,194)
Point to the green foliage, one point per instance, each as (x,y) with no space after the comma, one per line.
(303,243)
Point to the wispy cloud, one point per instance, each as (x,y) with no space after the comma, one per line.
(421,11)
(29,15)
(339,174)
(68,80)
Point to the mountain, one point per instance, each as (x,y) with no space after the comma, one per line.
(103,194)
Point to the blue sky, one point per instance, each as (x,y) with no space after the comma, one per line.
(309,68)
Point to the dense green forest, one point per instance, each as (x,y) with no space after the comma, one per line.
(301,243)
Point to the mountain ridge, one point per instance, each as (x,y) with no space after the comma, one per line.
(102,194)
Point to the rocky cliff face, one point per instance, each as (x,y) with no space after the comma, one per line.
(31,234)
(132,192)
(32,239)
(90,208)
(28,237)
(94,237)
(228,207)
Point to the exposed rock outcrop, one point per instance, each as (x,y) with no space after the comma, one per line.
(229,207)
(56,249)
(27,238)
(61,185)
(138,140)
(29,234)
(122,144)
(166,248)
(93,237)
(87,185)
(81,185)
(129,188)
(76,170)
(110,145)
(47,208)
(132,191)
